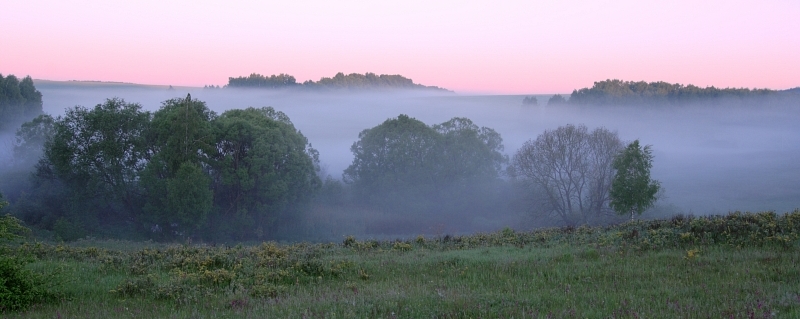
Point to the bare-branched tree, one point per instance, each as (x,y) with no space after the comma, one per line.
(567,174)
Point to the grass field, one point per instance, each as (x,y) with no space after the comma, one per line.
(735,266)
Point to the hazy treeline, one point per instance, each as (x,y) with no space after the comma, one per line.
(19,101)
(353,81)
(617,92)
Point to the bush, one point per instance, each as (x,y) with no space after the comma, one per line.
(19,287)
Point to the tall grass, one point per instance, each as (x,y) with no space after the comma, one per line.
(740,265)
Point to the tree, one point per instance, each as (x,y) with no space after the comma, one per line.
(263,168)
(94,156)
(632,190)
(10,227)
(19,101)
(181,143)
(405,166)
(397,153)
(567,173)
(31,138)
(530,100)
(556,100)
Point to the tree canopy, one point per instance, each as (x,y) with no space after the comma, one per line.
(263,167)
(19,101)
(352,81)
(632,190)
(403,158)
(630,92)
(175,172)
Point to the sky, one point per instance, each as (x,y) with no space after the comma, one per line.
(485,47)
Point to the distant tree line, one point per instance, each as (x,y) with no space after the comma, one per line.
(19,101)
(353,81)
(628,92)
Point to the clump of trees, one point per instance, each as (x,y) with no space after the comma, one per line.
(556,100)
(352,81)
(530,100)
(176,172)
(19,101)
(256,80)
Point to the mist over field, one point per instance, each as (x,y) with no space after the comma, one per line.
(710,159)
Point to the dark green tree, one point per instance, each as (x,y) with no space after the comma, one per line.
(181,142)
(19,101)
(399,153)
(264,168)
(94,156)
(632,190)
(405,166)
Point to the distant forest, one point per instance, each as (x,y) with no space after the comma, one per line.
(352,81)
(617,92)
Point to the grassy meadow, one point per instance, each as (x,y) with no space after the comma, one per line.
(741,265)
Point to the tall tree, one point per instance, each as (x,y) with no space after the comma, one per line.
(406,166)
(567,173)
(97,155)
(263,168)
(632,190)
(181,140)
(19,101)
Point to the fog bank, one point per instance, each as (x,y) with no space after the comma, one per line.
(709,158)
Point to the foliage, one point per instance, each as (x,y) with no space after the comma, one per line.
(404,158)
(629,92)
(556,100)
(31,138)
(115,170)
(567,173)
(353,81)
(19,287)
(731,265)
(263,167)
(632,190)
(95,155)
(10,227)
(260,81)
(530,100)
(19,101)
(177,190)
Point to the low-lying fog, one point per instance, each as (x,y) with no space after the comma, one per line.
(709,158)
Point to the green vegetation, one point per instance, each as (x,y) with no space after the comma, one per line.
(117,171)
(352,81)
(423,175)
(741,265)
(617,92)
(632,190)
(19,101)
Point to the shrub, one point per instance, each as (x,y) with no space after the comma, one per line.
(19,287)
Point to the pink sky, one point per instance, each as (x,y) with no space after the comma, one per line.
(517,47)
